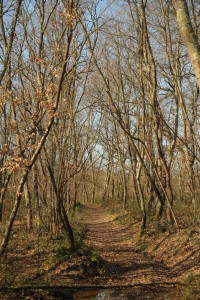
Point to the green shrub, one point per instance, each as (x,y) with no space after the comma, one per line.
(95,256)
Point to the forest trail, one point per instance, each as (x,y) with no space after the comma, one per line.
(109,254)
(123,264)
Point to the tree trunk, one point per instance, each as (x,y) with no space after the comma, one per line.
(28,199)
(188,35)
(61,211)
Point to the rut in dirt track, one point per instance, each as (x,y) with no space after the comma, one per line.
(115,243)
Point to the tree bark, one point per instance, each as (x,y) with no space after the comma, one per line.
(188,35)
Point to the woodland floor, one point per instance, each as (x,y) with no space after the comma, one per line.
(112,256)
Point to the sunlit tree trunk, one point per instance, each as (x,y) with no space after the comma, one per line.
(28,200)
(188,34)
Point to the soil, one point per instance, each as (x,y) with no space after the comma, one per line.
(110,256)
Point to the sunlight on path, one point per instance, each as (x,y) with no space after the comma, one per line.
(114,242)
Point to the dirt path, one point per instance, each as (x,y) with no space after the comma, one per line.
(113,256)
(116,259)
(113,259)
(123,263)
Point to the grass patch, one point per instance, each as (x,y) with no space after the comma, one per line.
(189,279)
(63,252)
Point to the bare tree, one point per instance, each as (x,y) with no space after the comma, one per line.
(52,97)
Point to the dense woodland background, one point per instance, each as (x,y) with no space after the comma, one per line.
(99,103)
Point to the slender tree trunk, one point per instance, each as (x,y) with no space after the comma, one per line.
(36,196)
(61,209)
(28,200)
(142,201)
